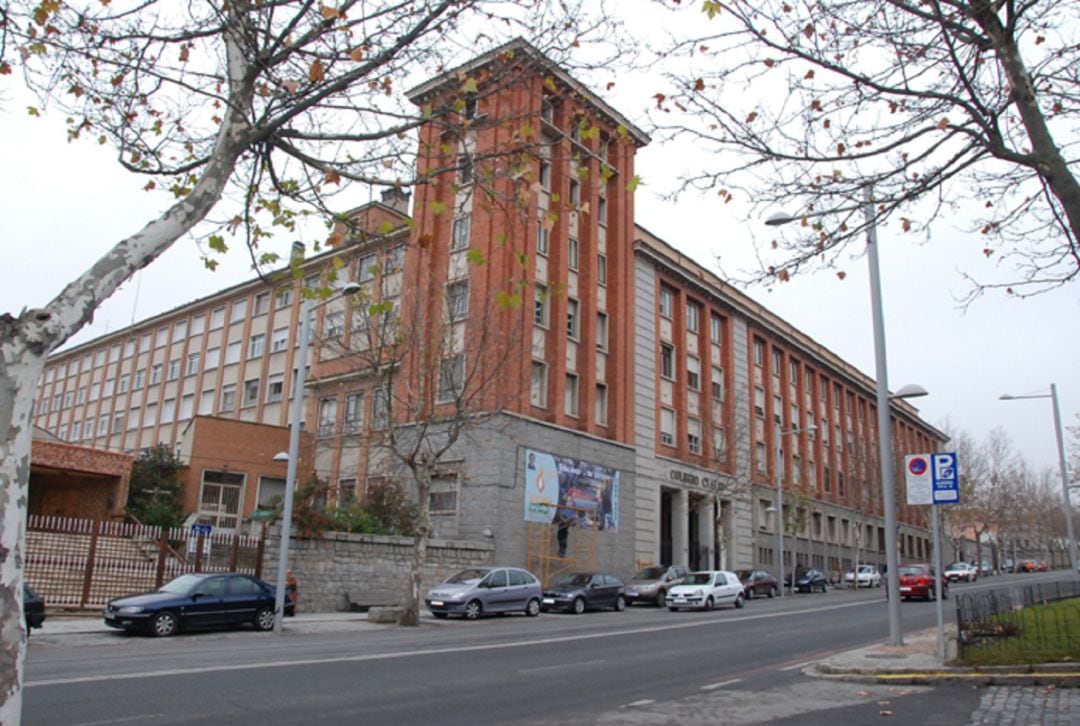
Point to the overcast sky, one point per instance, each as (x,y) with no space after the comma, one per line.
(63,205)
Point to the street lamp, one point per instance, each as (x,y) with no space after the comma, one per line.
(1061,463)
(779,508)
(307,307)
(884,422)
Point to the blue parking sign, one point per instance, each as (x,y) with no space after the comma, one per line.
(946,489)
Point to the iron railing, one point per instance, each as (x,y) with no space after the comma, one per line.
(996,618)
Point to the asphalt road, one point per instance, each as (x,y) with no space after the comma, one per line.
(639,666)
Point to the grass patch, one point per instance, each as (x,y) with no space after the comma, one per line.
(1038,634)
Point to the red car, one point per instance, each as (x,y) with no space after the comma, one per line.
(917,580)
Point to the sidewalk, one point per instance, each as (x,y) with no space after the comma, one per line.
(81,624)
(917,662)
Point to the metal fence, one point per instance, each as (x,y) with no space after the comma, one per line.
(83,563)
(993,618)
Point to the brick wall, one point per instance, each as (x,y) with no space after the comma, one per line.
(75,481)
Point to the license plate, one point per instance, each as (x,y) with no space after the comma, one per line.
(437,603)
(549,601)
(905,589)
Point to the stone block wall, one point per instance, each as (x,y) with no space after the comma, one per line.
(337,567)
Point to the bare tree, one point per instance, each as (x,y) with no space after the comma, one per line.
(935,102)
(270,107)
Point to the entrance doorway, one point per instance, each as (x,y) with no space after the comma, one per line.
(665,527)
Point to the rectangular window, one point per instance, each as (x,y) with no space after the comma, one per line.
(451,377)
(760,461)
(759,353)
(693,317)
(367,268)
(213,357)
(466,171)
(198,324)
(543,237)
(206,403)
(107,388)
(601,269)
(251,392)
(395,259)
(168,409)
(256,345)
(719,446)
(262,303)
(334,325)
(601,211)
(667,361)
(117,423)
(575,193)
(545,174)
(717,384)
(180,330)
(232,353)
(759,402)
(283,297)
(103,425)
(76,429)
(667,427)
(280,340)
(275,387)
(693,373)
(601,404)
(667,302)
(573,318)
(459,234)
(155,377)
(571,402)
(346,493)
(228,398)
(540,310)
(217,318)
(140,381)
(95,391)
(457,300)
(327,416)
(538,388)
(129,346)
(354,412)
(777,363)
(380,408)
(187,406)
(174,369)
(162,339)
(144,345)
(239,310)
(192,364)
(693,436)
(601,331)
(572,253)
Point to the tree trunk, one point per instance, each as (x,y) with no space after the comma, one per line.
(421,535)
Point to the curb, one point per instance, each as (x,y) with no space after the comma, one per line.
(1061,675)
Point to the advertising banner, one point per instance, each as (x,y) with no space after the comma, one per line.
(590,492)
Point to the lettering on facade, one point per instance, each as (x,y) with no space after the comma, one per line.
(708,483)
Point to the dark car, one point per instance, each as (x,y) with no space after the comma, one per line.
(809,581)
(757,582)
(917,580)
(33,608)
(581,591)
(651,584)
(196,601)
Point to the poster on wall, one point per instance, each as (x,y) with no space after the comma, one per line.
(588,492)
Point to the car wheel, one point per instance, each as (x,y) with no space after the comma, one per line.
(739,602)
(164,624)
(661,597)
(672,609)
(772,591)
(473,609)
(709,603)
(440,616)
(264,619)
(944,593)
(749,592)
(620,603)
(579,605)
(533,608)
(824,587)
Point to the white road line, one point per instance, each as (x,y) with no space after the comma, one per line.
(301,662)
(721,684)
(797,666)
(642,702)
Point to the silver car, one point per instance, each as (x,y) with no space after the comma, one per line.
(652,583)
(479,590)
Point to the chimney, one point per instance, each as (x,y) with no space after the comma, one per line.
(397,199)
(297,253)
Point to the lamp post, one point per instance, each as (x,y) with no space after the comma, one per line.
(307,307)
(779,509)
(1062,465)
(888,487)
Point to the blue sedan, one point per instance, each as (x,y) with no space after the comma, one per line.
(196,601)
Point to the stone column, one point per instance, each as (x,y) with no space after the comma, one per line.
(680,534)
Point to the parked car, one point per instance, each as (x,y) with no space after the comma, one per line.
(196,601)
(757,582)
(868,576)
(1043,567)
(1027,566)
(986,569)
(581,591)
(958,571)
(917,580)
(33,609)
(651,584)
(705,590)
(1008,566)
(479,590)
(809,581)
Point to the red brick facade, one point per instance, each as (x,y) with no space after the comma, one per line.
(75,481)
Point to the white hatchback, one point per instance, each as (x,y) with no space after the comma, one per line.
(868,577)
(705,590)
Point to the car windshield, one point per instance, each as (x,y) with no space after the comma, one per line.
(697,578)
(911,570)
(182,585)
(650,573)
(866,568)
(469,576)
(576,579)
(957,566)
(744,574)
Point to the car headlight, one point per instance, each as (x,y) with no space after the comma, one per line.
(130,610)
(698,593)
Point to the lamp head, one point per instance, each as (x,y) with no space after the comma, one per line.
(778,218)
(350,288)
(281,456)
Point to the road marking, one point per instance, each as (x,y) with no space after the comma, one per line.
(721,684)
(304,662)
(797,666)
(642,702)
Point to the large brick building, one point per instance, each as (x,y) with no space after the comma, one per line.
(628,381)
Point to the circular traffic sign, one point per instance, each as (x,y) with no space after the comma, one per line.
(917,466)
